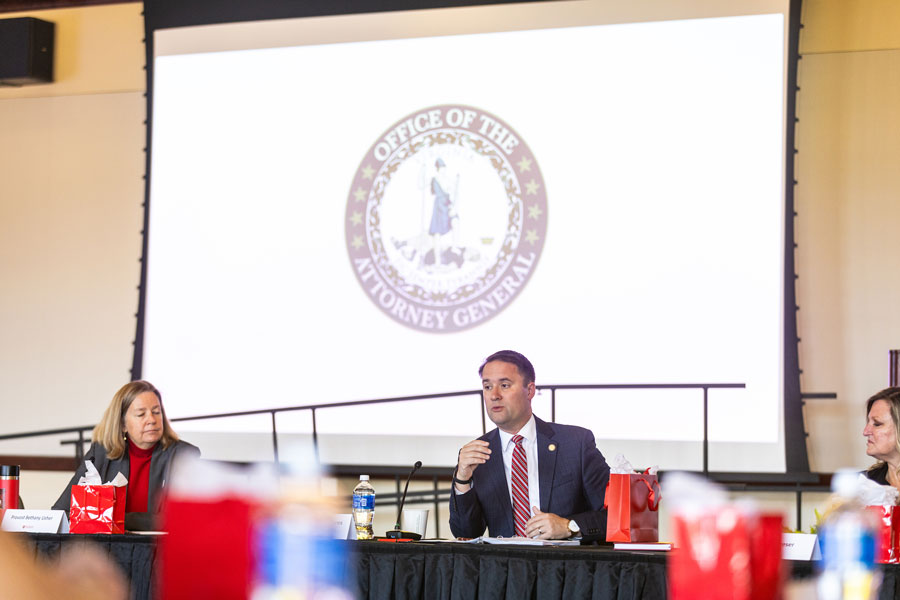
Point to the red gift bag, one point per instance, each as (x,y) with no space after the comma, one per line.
(726,555)
(632,504)
(97,509)
(888,535)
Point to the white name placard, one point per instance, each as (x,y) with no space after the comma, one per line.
(800,546)
(344,528)
(35,521)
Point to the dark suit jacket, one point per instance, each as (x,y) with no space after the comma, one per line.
(573,478)
(160,463)
(878,473)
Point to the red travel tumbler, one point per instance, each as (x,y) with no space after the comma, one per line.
(9,486)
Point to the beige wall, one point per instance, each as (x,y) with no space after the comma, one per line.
(71,166)
(848,200)
(71,188)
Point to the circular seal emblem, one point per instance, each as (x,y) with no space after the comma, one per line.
(446,218)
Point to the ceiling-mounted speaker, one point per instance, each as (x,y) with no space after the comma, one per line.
(26,51)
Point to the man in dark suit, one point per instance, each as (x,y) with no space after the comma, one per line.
(526,477)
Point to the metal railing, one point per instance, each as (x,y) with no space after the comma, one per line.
(796,483)
(273,412)
(705,387)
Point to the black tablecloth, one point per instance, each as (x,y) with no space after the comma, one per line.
(421,570)
(445,570)
(397,570)
(134,554)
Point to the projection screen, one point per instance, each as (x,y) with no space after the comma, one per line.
(365,206)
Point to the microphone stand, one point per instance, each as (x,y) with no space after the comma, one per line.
(396,533)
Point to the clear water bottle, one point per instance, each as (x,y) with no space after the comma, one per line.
(364,508)
(847,539)
(296,553)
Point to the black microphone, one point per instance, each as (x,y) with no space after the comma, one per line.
(396,533)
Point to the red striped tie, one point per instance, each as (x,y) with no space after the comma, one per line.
(521,510)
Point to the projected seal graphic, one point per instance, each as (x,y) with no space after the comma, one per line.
(446,218)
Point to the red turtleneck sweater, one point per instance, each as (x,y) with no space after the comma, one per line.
(139,478)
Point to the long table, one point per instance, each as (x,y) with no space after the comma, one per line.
(381,570)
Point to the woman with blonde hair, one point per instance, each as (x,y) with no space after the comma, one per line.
(882,433)
(134,438)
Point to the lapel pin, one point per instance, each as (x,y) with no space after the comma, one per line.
(551,447)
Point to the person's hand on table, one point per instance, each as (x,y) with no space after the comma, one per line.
(547,526)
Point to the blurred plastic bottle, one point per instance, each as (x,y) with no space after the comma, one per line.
(847,539)
(298,560)
(364,508)
(297,555)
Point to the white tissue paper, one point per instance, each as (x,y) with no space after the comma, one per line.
(92,477)
(871,493)
(621,466)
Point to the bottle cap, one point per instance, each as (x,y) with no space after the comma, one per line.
(363,477)
(9,470)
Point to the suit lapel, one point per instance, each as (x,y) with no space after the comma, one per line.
(546,460)
(156,467)
(497,475)
(119,465)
